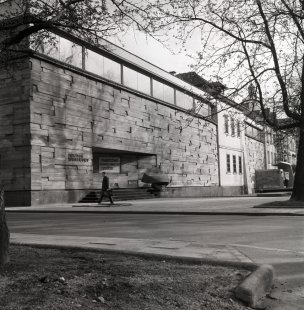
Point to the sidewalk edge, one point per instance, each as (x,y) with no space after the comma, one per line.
(159,212)
(183,259)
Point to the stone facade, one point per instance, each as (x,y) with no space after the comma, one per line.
(255,158)
(15,173)
(56,122)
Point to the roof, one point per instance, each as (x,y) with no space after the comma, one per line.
(198,81)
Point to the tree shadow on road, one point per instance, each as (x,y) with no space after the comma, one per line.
(288,204)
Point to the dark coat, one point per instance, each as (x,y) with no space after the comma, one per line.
(105,183)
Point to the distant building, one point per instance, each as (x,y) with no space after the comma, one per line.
(240,138)
(245,142)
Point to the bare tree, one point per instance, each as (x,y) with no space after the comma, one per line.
(19,19)
(244,42)
(24,23)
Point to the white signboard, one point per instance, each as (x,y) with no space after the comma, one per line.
(109,164)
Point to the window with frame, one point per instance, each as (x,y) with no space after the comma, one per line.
(228,165)
(234,163)
(202,108)
(93,62)
(70,52)
(213,112)
(158,90)
(238,128)
(162,91)
(232,122)
(184,101)
(144,83)
(102,66)
(226,124)
(136,80)
(59,48)
(129,77)
(111,70)
(168,94)
(240,165)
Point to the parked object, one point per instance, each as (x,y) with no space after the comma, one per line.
(268,179)
(288,173)
(274,179)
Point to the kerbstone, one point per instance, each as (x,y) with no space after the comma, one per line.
(256,285)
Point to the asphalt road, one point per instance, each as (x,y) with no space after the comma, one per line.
(280,235)
(277,240)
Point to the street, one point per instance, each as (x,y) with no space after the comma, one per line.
(270,239)
(264,239)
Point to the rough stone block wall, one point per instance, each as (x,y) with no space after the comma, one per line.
(14,127)
(71,113)
(255,157)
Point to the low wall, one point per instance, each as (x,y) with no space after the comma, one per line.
(202,191)
(17,198)
(34,198)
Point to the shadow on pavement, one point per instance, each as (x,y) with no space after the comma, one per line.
(107,205)
(288,204)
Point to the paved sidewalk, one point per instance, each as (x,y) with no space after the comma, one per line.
(224,205)
(215,253)
(183,206)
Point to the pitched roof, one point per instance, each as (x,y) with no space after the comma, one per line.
(196,80)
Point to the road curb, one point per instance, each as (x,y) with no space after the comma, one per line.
(182,259)
(256,285)
(158,212)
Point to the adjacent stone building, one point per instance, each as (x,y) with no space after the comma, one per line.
(240,139)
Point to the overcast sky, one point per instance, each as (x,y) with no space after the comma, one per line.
(154,52)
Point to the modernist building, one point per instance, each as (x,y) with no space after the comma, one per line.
(70,110)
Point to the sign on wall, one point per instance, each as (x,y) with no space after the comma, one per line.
(109,164)
(77,158)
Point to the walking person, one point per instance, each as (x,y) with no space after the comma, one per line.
(105,189)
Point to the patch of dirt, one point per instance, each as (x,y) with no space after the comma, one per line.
(55,279)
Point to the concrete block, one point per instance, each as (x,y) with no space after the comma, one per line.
(256,285)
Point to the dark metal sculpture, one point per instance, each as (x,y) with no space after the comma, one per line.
(158,181)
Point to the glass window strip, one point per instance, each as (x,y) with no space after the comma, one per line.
(77,55)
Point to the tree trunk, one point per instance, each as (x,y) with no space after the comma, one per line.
(298,187)
(4,232)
